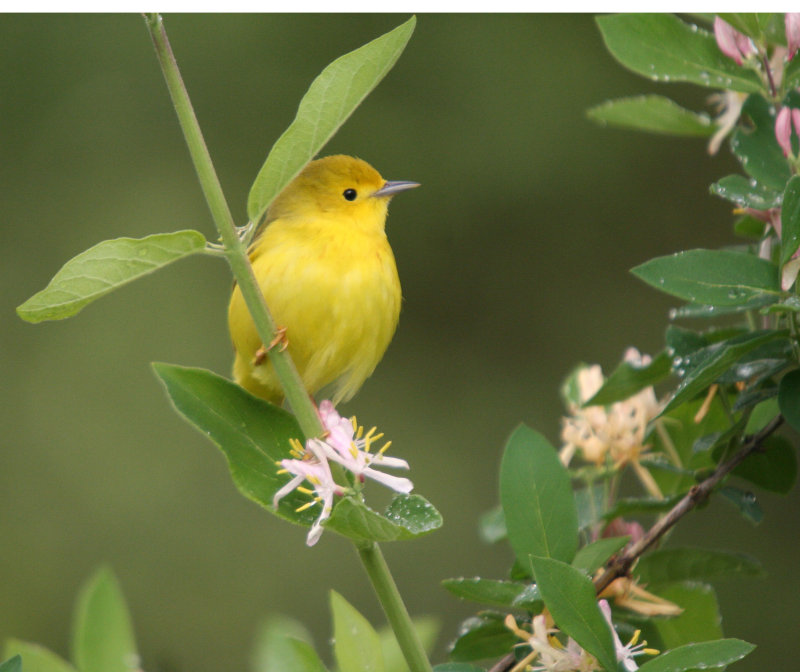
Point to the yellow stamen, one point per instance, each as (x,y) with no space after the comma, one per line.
(359,431)
(282,471)
(305,506)
(305,491)
(353,449)
(385,448)
(313,479)
(712,391)
(354,423)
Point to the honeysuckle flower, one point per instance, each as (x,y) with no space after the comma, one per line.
(792,21)
(615,432)
(348,445)
(344,443)
(787,118)
(310,465)
(728,106)
(626,652)
(731,42)
(548,654)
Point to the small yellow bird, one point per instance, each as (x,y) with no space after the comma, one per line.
(329,278)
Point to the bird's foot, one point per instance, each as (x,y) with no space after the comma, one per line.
(280,341)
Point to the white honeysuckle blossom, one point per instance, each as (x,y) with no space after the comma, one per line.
(344,443)
(549,655)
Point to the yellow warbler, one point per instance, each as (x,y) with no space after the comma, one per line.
(329,278)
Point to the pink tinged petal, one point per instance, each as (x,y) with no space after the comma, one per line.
(745,45)
(396,483)
(792,20)
(391,462)
(726,40)
(789,274)
(783,130)
(796,120)
(286,489)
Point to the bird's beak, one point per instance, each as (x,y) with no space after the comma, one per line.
(392,188)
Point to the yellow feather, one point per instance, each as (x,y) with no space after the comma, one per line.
(329,277)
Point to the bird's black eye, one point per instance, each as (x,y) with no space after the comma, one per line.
(350,194)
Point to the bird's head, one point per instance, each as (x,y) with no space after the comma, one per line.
(339,186)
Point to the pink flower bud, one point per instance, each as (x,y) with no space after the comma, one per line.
(731,42)
(792,20)
(783,130)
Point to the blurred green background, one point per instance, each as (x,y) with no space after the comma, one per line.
(514,258)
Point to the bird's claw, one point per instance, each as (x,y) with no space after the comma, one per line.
(280,341)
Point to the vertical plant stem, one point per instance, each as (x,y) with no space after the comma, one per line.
(298,398)
(389,597)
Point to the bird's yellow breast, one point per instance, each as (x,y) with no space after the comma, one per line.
(332,282)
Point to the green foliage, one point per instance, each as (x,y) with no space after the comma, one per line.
(356,645)
(789,398)
(656,114)
(537,499)
(699,656)
(427,628)
(252,434)
(102,635)
(332,97)
(699,622)
(664,48)
(284,644)
(756,147)
(406,517)
(104,268)
(12,665)
(747,194)
(486,591)
(695,564)
(593,556)
(570,597)
(628,379)
(483,637)
(790,220)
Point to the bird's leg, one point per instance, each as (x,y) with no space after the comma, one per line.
(279,341)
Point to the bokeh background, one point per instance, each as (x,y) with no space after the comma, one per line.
(514,259)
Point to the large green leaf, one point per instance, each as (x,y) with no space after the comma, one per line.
(329,101)
(253,434)
(664,48)
(696,564)
(105,267)
(699,622)
(407,517)
(102,637)
(537,499)
(774,468)
(570,597)
(756,147)
(705,366)
(745,501)
(35,657)
(356,645)
(13,664)
(593,556)
(790,220)
(656,114)
(712,277)
(700,656)
(747,193)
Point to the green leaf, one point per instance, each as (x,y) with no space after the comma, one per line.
(789,398)
(356,645)
(791,75)
(252,434)
(12,665)
(696,564)
(105,267)
(593,556)
(790,220)
(745,501)
(407,517)
(485,591)
(774,469)
(628,379)
(329,101)
(35,658)
(757,26)
(699,622)
(756,147)
(701,655)
(656,114)
(749,227)
(626,506)
(427,628)
(284,644)
(537,499)
(747,194)
(483,637)
(713,277)
(706,365)
(102,637)
(664,48)
(570,597)
(456,667)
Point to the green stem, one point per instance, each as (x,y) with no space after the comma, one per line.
(300,402)
(393,607)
